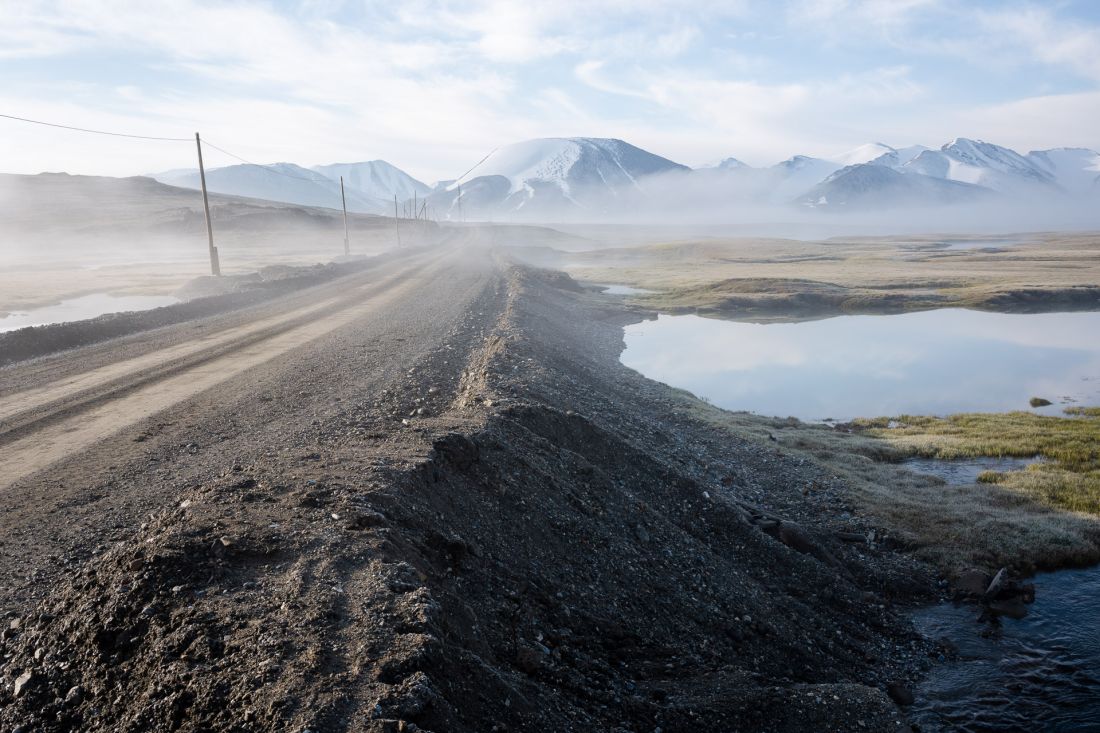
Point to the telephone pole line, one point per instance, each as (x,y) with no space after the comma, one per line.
(344,203)
(396,220)
(215,265)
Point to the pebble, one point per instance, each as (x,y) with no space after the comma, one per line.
(22,682)
(74,696)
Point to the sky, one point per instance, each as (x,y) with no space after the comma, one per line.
(432,86)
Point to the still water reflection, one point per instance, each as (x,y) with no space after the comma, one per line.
(934,362)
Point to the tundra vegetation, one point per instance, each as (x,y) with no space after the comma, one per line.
(781,279)
(1044,517)
(1067,478)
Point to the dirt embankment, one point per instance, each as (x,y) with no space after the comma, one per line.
(517,534)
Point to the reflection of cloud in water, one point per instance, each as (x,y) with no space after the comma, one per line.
(932,362)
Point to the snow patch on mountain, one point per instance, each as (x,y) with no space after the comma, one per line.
(796,175)
(726,164)
(870,185)
(285,182)
(568,162)
(375,179)
(870,152)
(983,164)
(553,174)
(1077,170)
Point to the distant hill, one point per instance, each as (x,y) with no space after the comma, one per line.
(868,185)
(376,180)
(369,187)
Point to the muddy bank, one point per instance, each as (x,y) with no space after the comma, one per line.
(513,533)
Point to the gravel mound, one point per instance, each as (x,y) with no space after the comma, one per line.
(542,543)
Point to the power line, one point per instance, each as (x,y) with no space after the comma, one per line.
(153,137)
(96,132)
(209,144)
(475,165)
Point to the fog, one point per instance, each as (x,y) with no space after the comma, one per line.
(758,202)
(63,236)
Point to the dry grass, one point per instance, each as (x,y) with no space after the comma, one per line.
(788,279)
(987,525)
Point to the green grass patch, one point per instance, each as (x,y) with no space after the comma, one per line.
(989,525)
(1069,478)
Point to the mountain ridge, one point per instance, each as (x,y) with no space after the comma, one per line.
(571,177)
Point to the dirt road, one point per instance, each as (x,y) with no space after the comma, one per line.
(43,424)
(425,496)
(80,418)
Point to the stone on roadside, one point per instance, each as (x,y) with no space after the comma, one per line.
(23,683)
(899,693)
(972,583)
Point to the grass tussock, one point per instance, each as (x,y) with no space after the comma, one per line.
(1068,478)
(990,525)
(1039,402)
(1082,411)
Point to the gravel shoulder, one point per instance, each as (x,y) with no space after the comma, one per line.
(455,511)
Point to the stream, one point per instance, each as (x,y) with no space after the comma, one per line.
(1041,672)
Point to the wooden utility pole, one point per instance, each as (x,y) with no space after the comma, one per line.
(344,203)
(396,220)
(215,265)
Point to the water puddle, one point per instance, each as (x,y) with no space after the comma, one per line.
(612,289)
(1041,672)
(930,363)
(956,244)
(82,308)
(965,471)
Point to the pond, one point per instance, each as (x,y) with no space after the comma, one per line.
(929,363)
(613,289)
(79,309)
(1043,667)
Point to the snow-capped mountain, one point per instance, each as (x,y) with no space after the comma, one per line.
(582,177)
(868,153)
(375,179)
(1077,170)
(549,175)
(796,175)
(284,182)
(879,154)
(872,185)
(983,164)
(726,164)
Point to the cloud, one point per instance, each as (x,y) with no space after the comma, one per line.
(1046,38)
(433,85)
(853,20)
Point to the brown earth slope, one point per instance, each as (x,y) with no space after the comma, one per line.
(454,511)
